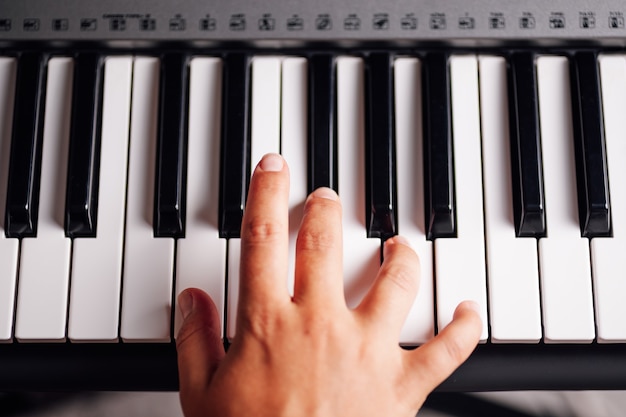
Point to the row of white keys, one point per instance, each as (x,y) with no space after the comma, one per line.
(201,254)
(45,260)
(97,262)
(564,258)
(361,256)
(148,261)
(515,313)
(607,254)
(460,261)
(265,138)
(419,326)
(8,247)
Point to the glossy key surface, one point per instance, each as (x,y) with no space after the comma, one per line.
(83,173)
(8,246)
(235,158)
(322,157)
(438,153)
(590,146)
(526,156)
(170,176)
(380,146)
(22,205)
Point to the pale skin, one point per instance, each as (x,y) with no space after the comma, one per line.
(310,355)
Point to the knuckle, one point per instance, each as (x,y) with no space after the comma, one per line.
(454,352)
(261,229)
(261,323)
(315,240)
(189,334)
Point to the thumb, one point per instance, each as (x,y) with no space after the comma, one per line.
(199,341)
(438,358)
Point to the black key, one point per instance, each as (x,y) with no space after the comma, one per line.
(322,162)
(526,160)
(590,148)
(81,206)
(25,159)
(170,176)
(439,182)
(380,147)
(235,151)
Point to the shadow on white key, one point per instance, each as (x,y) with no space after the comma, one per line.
(201,255)
(265,138)
(563,255)
(420,323)
(460,262)
(148,261)
(8,247)
(361,256)
(515,314)
(45,259)
(97,262)
(607,254)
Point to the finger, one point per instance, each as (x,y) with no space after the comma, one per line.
(388,302)
(265,237)
(199,340)
(433,362)
(319,249)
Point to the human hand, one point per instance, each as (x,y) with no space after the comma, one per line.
(310,355)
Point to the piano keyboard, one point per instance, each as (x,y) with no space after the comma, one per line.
(123,181)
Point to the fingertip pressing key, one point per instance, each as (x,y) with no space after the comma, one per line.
(398,239)
(395,240)
(324,192)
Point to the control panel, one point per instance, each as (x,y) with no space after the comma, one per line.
(239,20)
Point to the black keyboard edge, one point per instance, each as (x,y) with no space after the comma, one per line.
(152,367)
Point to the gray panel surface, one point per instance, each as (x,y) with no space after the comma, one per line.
(389,20)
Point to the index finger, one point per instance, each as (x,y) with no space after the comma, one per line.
(265,237)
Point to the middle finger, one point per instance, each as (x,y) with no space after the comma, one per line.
(319,249)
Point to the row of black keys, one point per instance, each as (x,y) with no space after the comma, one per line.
(380,205)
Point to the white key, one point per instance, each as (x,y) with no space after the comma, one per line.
(361,256)
(45,260)
(513,271)
(148,261)
(294,147)
(265,138)
(420,323)
(8,247)
(563,255)
(460,262)
(97,262)
(234,254)
(607,254)
(265,116)
(201,255)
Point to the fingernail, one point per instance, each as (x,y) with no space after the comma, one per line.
(272,163)
(185,303)
(325,192)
